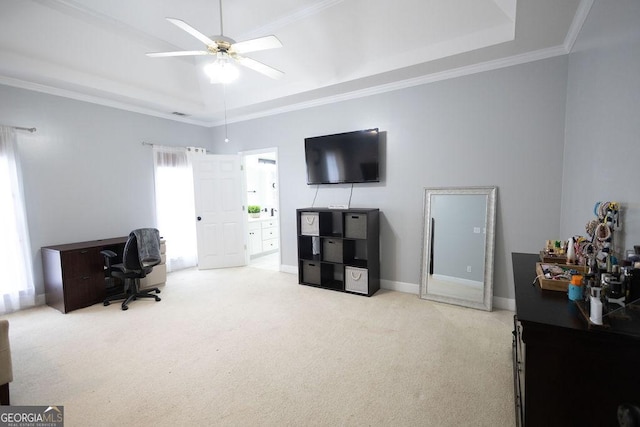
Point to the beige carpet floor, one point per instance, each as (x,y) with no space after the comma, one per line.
(247,347)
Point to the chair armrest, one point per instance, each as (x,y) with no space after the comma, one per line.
(109,254)
(6,368)
(119,267)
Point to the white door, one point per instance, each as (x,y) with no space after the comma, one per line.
(217,180)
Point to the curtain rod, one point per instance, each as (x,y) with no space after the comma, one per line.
(22,128)
(151,144)
(170,147)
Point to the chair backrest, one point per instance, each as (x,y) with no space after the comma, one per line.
(144,255)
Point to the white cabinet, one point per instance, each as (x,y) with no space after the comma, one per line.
(263,236)
(255,237)
(269,235)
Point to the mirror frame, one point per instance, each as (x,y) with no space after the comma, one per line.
(489,247)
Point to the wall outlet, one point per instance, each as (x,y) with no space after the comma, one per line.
(468,269)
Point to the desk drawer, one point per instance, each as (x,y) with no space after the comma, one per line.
(80,263)
(83,291)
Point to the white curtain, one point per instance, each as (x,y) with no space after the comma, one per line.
(16,272)
(175,206)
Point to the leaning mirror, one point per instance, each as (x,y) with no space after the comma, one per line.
(458,246)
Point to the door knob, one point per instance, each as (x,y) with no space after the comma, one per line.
(199,218)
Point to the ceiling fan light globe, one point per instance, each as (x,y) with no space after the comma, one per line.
(221,71)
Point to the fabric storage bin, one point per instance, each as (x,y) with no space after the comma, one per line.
(310,224)
(355,226)
(356,279)
(332,250)
(311,272)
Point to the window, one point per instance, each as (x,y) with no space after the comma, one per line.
(175,206)
(16,273)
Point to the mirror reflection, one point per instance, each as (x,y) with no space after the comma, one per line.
(458,249)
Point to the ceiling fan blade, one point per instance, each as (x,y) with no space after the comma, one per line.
(259,67)
(178,53)
(262,43)
(195,33)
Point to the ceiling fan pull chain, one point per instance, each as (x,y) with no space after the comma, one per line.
(221,30)
(224,103)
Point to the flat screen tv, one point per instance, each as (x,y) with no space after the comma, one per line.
(343,158)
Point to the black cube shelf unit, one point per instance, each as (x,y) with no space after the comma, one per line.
(339,249)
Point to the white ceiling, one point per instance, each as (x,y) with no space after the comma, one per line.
(94,50)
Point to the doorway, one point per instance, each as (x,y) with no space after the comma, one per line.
(262,195)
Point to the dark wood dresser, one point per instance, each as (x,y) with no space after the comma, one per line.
(566,371)
(74,275)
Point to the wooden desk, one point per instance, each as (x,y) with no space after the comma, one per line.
(74,274)
(566,373)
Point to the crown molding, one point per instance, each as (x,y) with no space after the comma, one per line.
(403,84)
(65,93)
(576,25)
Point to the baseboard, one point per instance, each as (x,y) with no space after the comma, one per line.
(292,269)
(41,299)
(392,285)
(499,303)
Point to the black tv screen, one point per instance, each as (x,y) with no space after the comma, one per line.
(349,157)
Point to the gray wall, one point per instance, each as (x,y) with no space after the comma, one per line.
(86,174)
(502,128)
(602,147)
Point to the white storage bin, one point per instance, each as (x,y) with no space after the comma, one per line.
(310,224)
(356,279)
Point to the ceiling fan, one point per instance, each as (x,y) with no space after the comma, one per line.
(226,51)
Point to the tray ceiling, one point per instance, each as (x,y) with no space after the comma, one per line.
(94,50)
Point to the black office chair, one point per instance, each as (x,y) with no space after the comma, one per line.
(141,254)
